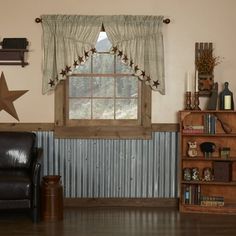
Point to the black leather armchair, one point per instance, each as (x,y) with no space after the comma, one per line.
(20,172)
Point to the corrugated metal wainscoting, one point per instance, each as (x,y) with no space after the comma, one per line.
(113,168)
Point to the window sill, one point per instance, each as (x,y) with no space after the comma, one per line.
(101,132)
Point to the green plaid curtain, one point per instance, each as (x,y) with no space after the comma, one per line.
(69,40)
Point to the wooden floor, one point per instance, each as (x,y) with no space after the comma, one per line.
(121,222)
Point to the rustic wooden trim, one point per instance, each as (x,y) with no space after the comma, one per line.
(59,103)
(103,132)
(156,127)
(121,131)
(121,202)
(146,105)
(26,126)
(165,127)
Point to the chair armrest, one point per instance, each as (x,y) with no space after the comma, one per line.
(36,171)
(36,166)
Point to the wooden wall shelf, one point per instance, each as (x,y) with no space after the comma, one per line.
(13,57)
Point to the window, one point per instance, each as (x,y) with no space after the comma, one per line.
(103,92)
(103,89)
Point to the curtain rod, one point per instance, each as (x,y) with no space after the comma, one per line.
(39,20)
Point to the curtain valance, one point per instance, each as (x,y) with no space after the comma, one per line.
(69,40)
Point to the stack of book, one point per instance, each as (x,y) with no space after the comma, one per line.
(209,123)
(208,127)
(212,201)
(193,129)
(192,194)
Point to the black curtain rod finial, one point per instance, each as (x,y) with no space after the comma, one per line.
(166,21)
(38,20)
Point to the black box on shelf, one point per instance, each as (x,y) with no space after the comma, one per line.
(222,171)
(14,43)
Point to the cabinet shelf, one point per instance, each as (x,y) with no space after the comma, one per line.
(207,111)
(210,135)
(13,57)
(194,127)
(227,209)
(231,183)
(208,159)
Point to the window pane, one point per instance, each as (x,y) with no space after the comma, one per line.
(79,87)
(103,109)
(103,63)
(126,109)
(103,44)
(79,109)
(123,68)
(103,87)
(127,86)
(83,68)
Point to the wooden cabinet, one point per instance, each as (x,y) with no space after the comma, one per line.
(207,161)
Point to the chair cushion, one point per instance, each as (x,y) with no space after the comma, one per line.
(15,184)
(16,149)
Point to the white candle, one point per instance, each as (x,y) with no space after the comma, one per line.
(188,81)
(196,81)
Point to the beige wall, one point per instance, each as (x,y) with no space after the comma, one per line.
(191,21)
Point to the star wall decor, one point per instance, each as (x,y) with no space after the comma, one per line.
(8,97)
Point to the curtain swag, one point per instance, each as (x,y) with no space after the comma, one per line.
(69,40)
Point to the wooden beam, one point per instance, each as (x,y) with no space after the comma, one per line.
(165,127)
(103,132)
(156,127)
(26,126)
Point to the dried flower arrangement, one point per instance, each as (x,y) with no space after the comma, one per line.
(206,62)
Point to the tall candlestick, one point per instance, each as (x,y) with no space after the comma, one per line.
(188,100)
(196,101)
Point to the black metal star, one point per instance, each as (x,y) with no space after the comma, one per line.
(93,50)
(125,58)
(51,82)
(148,78)
(156,83)
(63,72)
(136,69)
(131,63)
(80,59)
(120,53)
(68,69)
(143,73)
(86,54)
(114,49)
(75,63)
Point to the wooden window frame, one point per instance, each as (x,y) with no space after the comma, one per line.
(141,131)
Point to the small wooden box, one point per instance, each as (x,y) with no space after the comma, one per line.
(222,171)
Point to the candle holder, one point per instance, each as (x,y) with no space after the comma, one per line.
(196,101)
(188,101)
